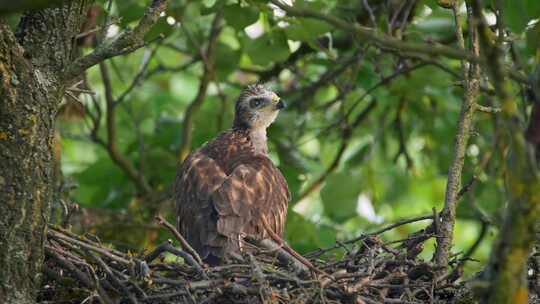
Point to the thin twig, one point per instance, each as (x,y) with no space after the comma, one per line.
(346,134)
(471,77)
(185,245)
(366,34)
(486,109)
(111,144)
(103,297)
(138,77)
(291,251)
(113,277)
(208,57)
(126,42)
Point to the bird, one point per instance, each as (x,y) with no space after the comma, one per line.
(229,188)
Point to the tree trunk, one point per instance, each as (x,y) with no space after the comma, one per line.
(25,156)
(507,269)
(31,89)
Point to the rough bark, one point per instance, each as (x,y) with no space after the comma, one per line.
(30,91)
(24,130)
(7,7)
(508,261)
(36,65)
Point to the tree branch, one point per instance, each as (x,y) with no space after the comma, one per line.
(126,42)
(346,135)
(208,75)
(138,77)
(142,186)
(366,34)
(398,123)
(471,77)
(380,39)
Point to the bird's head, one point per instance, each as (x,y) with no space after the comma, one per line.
(257,107)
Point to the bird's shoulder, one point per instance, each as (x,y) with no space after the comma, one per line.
(233,148)
(230,155)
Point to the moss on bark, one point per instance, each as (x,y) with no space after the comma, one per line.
(31,64)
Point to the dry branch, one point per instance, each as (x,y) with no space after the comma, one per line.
(180,238)
(126,42)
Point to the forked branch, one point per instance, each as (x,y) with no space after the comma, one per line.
(126,42)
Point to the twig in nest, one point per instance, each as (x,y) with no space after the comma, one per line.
(291,251)
(66,264)
(168,247)
(283,256)
(180,238)
(112,255)
(368,275)
(366,235)
(114,279)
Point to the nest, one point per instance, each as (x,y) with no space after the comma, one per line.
(82,270)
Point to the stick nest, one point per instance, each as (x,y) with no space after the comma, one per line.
(79,269)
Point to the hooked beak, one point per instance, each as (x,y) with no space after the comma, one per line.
(280,105)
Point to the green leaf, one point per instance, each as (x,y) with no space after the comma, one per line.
(533,40)
(103,184)
(240,17)
(167,134)
(165,172)
(317,5)
(130,10)
(226,60)
(292,174)
(268,48)
(209,3)
(325,94)
(518,14)
(304,29)
(305,235)
(340,194)
(160,28)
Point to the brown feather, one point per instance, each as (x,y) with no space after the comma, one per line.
(223,190)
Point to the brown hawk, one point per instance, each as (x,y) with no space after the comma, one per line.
(229,187)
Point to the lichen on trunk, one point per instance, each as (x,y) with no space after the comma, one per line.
(31,64)
(26,118)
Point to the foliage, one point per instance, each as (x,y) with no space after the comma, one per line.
(397,157)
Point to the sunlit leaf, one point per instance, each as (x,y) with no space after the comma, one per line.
(304,29)
(518,14)
(268,48)
(239,17)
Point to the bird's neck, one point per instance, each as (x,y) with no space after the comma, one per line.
(258,139)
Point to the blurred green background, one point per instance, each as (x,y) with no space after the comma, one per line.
(392,166)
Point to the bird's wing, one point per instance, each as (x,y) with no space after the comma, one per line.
(214,209)
(253,190)
(198,177)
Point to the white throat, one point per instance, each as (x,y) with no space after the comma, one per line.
(258,138)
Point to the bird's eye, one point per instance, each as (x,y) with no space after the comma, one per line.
(255,102)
